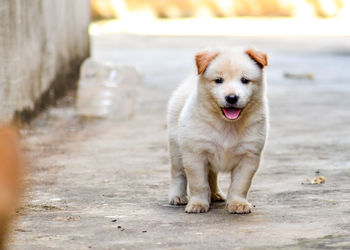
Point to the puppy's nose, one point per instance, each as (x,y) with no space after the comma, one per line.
(232,99)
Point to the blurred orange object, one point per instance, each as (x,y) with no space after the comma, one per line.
(11,169)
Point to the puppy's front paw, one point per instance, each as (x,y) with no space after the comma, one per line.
(178,200)
(196,207)
(239,207)
(217,197)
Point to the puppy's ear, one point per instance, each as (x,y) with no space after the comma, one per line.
(259,57)
(203,59)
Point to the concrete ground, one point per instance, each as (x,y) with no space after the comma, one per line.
(102,184)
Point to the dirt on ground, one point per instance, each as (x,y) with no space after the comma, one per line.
(103,183)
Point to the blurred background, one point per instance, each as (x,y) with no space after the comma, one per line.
(102,9)
(235,17)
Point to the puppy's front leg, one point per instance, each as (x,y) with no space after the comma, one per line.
(197,175)
(241,179)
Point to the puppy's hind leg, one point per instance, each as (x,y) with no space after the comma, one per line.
(216,194)
(178,185)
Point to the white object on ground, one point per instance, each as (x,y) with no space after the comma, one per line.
(106,90)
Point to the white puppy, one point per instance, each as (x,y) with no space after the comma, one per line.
(217,122)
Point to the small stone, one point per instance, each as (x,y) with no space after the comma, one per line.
(317,180)
(114,220)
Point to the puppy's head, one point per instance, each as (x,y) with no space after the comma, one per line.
(232,80)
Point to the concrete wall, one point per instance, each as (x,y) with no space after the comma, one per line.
(42,43)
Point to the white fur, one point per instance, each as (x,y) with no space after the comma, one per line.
(202,142)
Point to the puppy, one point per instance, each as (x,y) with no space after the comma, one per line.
(218,123)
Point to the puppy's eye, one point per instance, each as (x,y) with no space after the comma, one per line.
(219,80)
(245,80)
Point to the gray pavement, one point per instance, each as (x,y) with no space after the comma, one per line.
(102,184)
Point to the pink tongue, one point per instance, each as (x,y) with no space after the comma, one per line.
(231,113)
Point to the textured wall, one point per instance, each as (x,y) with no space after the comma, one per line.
(42,43)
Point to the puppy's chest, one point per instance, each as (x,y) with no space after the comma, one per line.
(225,152)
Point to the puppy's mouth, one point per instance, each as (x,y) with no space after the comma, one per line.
(231,113)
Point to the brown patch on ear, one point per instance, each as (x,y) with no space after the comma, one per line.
(259,57)
(203,59)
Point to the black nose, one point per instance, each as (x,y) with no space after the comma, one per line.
(231,99)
